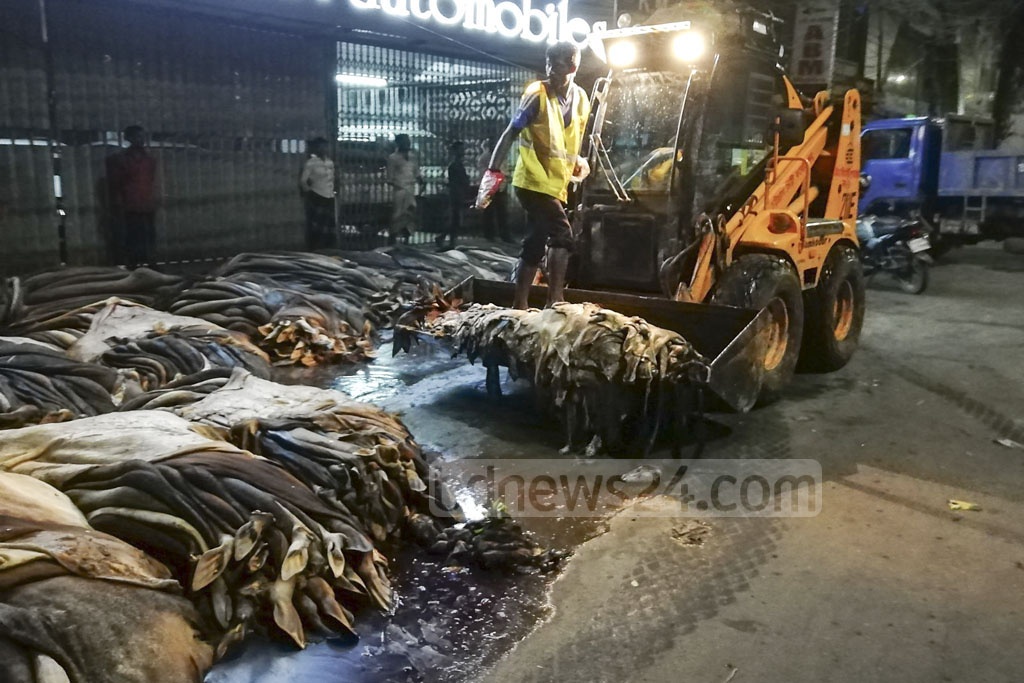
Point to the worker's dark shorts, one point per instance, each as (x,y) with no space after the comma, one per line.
(546,224)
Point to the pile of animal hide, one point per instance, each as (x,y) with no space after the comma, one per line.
(353,454)
(285,532)
(295,324)
(310,334)
(238,305)
(606,373)
(301,308)
(270,549)
(154,348)
(494,542)
(415,272)
(187,389)
(129,349)
(80,605)
(325,307)
(232,504)
(357,456)
(310,309)
(40,383)
(57,306)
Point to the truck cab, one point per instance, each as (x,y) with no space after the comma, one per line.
(899,165)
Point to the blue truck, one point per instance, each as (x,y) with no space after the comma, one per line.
(947,173)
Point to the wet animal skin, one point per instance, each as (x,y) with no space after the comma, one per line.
(600,370)
(119,611)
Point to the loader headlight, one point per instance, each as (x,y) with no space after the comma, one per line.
(688,46)
(622,54)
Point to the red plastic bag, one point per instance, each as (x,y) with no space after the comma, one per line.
(489,186)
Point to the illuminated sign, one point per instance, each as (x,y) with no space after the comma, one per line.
(512,20)
(814,41)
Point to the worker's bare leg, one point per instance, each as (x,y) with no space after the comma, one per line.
(558,264)
(525,276)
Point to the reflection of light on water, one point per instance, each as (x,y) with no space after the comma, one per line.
(470,508)
(372,382)
(356,386)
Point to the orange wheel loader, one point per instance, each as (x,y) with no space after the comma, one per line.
(722,204)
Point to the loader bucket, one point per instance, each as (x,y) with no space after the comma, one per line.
(732,339)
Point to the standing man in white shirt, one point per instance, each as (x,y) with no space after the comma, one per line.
(318,185)
(403,175)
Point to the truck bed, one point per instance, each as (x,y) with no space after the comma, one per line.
(987,173)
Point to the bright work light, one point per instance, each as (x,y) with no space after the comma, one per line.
(688,46)
(622,54)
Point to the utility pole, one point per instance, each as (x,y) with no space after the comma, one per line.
(881,49)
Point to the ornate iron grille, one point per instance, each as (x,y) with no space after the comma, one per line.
(435,100)
(227,109)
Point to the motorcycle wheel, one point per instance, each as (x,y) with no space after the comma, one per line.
(914,279)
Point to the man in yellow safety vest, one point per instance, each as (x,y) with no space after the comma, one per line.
(549,125)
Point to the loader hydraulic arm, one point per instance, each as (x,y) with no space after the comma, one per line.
(786,187)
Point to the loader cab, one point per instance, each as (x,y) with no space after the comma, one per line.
(671,138)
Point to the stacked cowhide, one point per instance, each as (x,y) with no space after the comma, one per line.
(154,486)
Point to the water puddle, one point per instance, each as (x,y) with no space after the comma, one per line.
(377,381)
(448,625)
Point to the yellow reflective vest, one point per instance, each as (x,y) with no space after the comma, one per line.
(548,149)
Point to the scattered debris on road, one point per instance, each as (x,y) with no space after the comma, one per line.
(963,505)
(693,533)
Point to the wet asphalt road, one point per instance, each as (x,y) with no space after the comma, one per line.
(886,583)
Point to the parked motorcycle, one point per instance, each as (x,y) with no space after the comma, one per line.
(896,246)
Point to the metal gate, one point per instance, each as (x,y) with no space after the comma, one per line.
(28,234)
(435,100)
(227,108)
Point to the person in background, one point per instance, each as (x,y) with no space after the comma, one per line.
(458,192)
(133,200)
(495,216)
(403,175)
(549,123)
(318,184)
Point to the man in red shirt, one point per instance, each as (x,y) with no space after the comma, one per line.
(131,179)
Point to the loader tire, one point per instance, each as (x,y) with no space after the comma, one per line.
(765,281)
(834,313)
